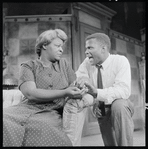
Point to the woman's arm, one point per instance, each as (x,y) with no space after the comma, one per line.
(30,91)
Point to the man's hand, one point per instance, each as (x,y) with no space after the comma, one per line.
(91,89)
(96,110)
(80,82)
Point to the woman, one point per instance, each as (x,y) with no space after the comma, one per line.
(45,84)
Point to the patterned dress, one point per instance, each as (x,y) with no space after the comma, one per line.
(32,124)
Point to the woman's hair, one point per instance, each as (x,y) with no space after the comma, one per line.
(46,38)
(102,38)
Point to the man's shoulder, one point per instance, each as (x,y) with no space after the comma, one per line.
(119,60)
(118,57)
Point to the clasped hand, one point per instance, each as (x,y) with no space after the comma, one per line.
(74,92)
(84,82)
(83,85)
(77,89)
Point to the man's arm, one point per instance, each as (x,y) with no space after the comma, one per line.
(121,87)
(82,74)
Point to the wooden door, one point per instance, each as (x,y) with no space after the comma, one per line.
(91,126)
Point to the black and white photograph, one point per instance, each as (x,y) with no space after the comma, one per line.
(74,74)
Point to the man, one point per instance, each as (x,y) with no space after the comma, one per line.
(116,122)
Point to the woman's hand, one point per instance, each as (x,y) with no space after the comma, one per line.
(73,92)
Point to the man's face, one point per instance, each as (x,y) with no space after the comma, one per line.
(94,51)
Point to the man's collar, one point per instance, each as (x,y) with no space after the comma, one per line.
(106,62)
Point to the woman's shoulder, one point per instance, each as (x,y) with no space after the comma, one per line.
(29,63)
(64,62)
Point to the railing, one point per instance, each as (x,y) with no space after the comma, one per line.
(125,37)
(34,18)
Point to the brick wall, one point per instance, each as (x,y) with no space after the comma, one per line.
(131,48)
(21,37)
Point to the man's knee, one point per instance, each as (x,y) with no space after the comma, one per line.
(119,106)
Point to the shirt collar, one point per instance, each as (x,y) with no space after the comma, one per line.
(55,65)
(106,62)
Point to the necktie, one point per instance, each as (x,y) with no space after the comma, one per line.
(99,80)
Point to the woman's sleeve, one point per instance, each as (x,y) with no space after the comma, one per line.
(26,73)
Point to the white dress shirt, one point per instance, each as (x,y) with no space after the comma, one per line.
(116,77)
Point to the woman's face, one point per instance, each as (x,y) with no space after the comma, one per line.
(54,50)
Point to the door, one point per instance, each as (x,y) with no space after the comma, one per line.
(91,126)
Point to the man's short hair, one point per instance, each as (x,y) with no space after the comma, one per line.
(102,38)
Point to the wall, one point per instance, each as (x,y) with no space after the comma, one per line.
(20,39)
(131,48)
